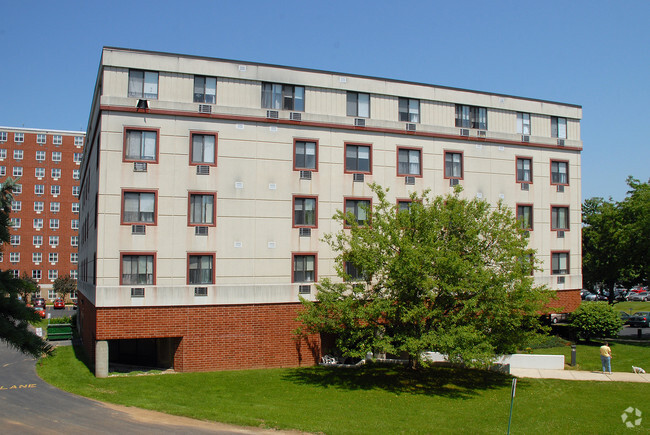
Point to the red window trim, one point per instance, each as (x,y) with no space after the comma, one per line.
(214,267)
(354,198)
(568,216)
(293,214)
(293,257)
(301,139)
(462,164)
(216,146)
(155,206)
(139,128)
(550,172)
(214,208)
(155,267)
(345,152)
(397,162)
(532,173)
(532,214)
(568,262)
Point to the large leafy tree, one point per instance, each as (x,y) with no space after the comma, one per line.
(15,316)
(448,274)
(64,285)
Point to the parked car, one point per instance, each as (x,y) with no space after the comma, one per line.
(644,296)
(640,319)
(560,317)
(59,304)
(625,317)
(40,311)
(591,297)
(38,302)
(639,289)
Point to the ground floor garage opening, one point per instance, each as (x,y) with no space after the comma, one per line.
(142,354)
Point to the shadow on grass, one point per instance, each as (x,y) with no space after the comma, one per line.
(80,355)
(436,381)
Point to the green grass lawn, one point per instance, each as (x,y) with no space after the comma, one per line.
(632,307)
(624,356)
(370,399)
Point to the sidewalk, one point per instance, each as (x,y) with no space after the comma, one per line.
(578,375)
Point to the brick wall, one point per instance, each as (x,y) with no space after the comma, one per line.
(567,301)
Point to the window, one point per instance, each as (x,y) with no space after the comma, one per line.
(143,84)
(18,189)
(53,257)
(141,145)
(304,268)
(19,137)
(41,138)
(74,241)
(38,206)
(14,240)
(523,123)
(205,90)
(524,170)
(14,257)
(37,240)
(56,156)
(38,223)
(560,218)
(525,216)
(3,153)
(201,209)
(359,209)
(305,212)
(15,273)
(559,172)
(201,269)
(51,294)
(305,155)
(16,205)
(37,257)
(75,190)
(138,269)
(40,156)
(408,161)
(78,141)
(57,139)
(353,272)
(357,158)
(52,275)
(139,207)
(77,157)
(74,274)
(37,274)
(18,171)
(56,173)
(559,263)
(75,174)
(409,110)
(74,224)
(286,97)
(358,104)
(471,117)
(55,207)
(18,154)
(203,149)
(15,222)
(453,165)
(39,172)
(74,257)
(54,240)
(54,224)
(3,171)
(75,207)
(55,190)
(3,136)
(558,127)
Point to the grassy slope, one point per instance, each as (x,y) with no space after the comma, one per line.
(360,401)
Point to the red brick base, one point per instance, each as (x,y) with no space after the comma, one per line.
(567,301)
(211,337)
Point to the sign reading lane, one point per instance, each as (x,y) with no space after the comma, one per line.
(17,387)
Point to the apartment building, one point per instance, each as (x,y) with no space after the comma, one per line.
(45,211)
(207,185)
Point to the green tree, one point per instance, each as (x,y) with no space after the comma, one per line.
(64,285)
(15,316)
(449,274)
(596,319)
(28,286)
(636,218)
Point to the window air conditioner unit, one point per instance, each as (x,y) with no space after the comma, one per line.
(410,127)
(139,166)
(272,114)
(464,132)
(409,180)
(525,186)
(200,291)
(200,231)
(205,108)
(525,138)
(560,234)
(454,181)
(305,175)
(202,170)
(304,289)
(359,122)
(358,177)
(295,116)
(481,133)
(560,188)
(138,229)
(560,142)
(305,232)
(137,292)
(560,280)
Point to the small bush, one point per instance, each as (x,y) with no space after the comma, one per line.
(596,319)
(60,320)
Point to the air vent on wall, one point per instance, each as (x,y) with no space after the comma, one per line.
(202,170)
(464,132)
(410,127)
(560,280)
(358,178)
(304,289)
(560,234)
(200,231)
(295,116)
(272,114)
(409,180)
(205,108)
(525,186)
(200,291)
(454,181)
(305,175)
(525,138)
(560,188)
(139,166)
(138,229)
(560,142)
(481,133)
(137,292)
(305,232)
(359,122)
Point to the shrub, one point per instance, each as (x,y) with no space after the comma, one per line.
(596,319)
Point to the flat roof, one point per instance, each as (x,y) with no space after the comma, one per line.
(42,130)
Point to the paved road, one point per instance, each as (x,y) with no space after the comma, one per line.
(30,406)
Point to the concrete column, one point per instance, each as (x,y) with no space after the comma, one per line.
(101,359)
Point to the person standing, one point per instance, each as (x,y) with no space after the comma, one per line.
(606,358)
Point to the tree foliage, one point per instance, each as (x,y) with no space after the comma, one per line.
(15,316)
(64,285)
(450,275)
(596,319)
(28,286)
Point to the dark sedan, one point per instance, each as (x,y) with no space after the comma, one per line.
(640,319)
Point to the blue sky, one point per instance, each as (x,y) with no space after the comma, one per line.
(592,53)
